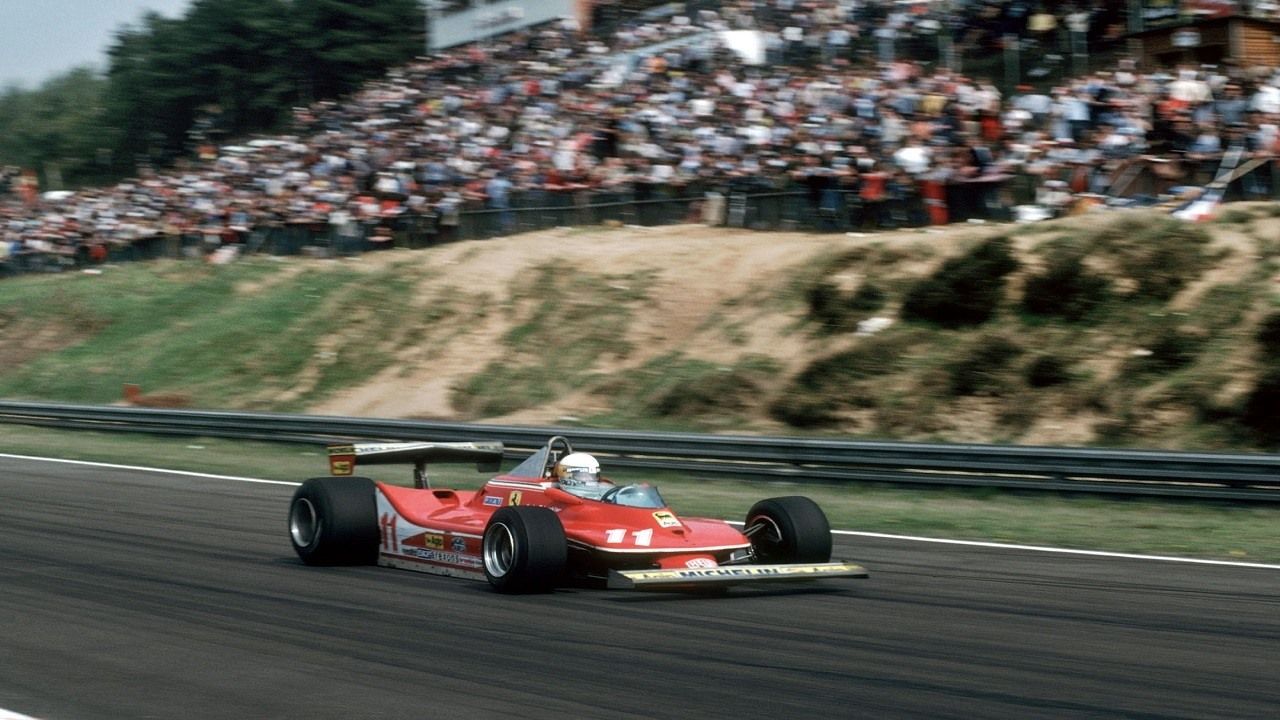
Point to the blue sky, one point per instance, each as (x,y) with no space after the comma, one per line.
(43,38)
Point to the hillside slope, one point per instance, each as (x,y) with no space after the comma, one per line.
(1146,332)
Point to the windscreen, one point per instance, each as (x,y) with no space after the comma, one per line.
(532,467)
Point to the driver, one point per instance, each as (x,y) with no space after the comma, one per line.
(579,474)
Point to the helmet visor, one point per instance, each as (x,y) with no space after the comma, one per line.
(579,475)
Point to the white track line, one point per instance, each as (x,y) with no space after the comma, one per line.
(1067,551)
(908,538)
(186,473)
(9,714)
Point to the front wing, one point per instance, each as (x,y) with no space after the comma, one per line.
(730,575)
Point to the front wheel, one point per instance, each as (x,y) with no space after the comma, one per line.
(334,521)
(788,530)
(524,550)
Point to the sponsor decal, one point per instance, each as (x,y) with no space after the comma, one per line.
(514,497)
(700,563)
(458,544)
(387,529)
(445,558)
(666,519)
(734,572)
(342,459)
(426,540)
(493,500)
(728,575)
(727,572)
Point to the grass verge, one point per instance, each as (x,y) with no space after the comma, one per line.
(1191,529)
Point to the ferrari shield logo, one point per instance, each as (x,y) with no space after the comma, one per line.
(514,498)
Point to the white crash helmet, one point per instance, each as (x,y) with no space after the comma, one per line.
(577,469)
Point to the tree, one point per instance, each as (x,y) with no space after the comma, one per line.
(59,129)
(348,41)
(240,58)
(152,100)
(228,67)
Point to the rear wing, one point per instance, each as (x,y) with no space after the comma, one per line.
(344,458)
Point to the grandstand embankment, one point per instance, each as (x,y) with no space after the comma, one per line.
(1120,328)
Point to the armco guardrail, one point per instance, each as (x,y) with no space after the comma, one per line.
(1123,472)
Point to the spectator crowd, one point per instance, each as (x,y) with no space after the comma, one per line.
(552,113)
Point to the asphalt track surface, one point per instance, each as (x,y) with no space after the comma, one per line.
(127,594)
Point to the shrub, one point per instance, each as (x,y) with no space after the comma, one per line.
(868,298)
(1065,289)
(1269,337)
(1259,412)
(1233,217)
(1047,371)
(824,298)
(694,388)
(979,368)
(837,311)
(1171,349)
(673,386)
(966,290)
(876,356)
(1159,256)
(803,411)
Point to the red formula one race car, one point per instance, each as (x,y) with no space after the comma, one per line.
(552,520)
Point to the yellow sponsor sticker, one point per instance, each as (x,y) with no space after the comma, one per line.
(666,519)
(342,459)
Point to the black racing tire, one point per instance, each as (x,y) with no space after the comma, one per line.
(789,529)
(524,550)
(334,521)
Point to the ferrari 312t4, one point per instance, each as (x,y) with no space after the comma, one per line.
(550,521)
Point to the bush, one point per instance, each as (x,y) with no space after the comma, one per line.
(1065,289)
(1047,371)
(705,393)
(676,387)
(1159,256)
(824,299)
(803,411)
(876,356)
(1171,349)
(868,298)
(838,311)
(979,368)
(1269,337)
(966,290)
(1259,413)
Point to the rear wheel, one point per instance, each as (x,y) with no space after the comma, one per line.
(524,550)
(334,521)
(788,530)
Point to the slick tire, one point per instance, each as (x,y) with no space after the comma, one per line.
(334,521)
(524,550)
(789,529)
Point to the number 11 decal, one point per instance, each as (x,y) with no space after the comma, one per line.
(617,535)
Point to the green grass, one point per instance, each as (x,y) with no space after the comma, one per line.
(1182,528)
(220,336)
(563,323)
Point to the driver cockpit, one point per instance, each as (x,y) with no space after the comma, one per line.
(579,474)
